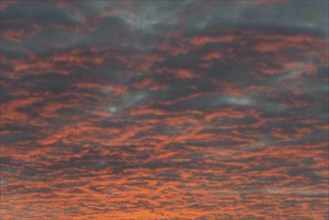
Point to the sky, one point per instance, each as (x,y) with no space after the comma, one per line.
(164,110)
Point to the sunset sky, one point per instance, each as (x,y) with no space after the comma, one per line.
(164,110)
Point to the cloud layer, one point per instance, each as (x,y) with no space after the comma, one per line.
(164,110)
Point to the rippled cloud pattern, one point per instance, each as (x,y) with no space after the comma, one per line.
(164,110)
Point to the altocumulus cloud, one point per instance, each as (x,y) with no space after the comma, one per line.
(164,109)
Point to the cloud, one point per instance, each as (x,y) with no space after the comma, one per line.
(170,110)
